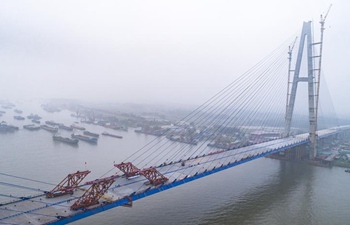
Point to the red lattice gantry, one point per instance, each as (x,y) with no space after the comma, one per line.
(92,196)
(153,175)
(67,185)
(128,169)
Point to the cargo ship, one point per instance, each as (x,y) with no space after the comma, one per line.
(77,127)
(88,133)
(65,139)
(85,138)
(49,128)
(33,117)
(31,127)
(64,127)
(52,123)
(36,121)
(111,135)
(7,128)
(19,117)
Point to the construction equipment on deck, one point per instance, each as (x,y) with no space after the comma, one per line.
(128,169)
(94,193)
(67,185)
(153,175)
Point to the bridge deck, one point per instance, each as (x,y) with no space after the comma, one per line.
(42,210)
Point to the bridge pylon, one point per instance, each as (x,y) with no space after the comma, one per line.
(313,80)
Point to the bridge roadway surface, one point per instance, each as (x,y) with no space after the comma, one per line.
(41,210)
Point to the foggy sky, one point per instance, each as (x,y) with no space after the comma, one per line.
(180,52)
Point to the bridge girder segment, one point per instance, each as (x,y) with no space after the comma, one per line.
(67,185)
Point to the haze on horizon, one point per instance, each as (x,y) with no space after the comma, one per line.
(163,52)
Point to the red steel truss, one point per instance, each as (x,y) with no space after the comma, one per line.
(67,185)
(128,169)
(94,193)
(153,175)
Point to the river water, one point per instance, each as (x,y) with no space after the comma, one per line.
(264,191)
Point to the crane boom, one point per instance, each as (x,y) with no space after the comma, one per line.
(323,19)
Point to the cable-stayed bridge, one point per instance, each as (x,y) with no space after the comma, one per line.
(255,101)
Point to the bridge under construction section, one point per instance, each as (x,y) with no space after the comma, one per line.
(252,100)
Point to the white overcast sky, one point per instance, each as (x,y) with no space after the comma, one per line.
(156,51)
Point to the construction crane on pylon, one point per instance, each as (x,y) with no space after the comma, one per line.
(323,19)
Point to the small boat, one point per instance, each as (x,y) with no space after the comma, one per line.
(33,117)
(18,111)
(19,117)
(348,170)
(111,135)
(65,139)
(88,133)
(64,127)
(36,121)
(85,138)
(7,128)
(49,128)
(31,127)
(77,127)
